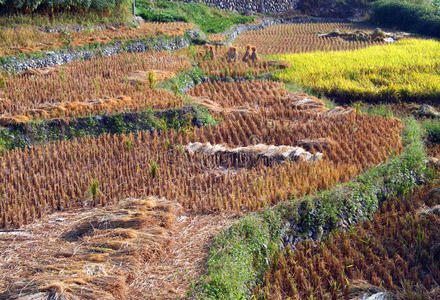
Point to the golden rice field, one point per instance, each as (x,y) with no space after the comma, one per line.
(404,71)
(298,38)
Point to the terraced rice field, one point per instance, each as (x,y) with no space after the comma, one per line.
(103,85)
(59,175)
(396,251)
(405,71)
(132,215)
(298,38)
(29,39)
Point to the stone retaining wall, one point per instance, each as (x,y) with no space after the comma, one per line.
(251,6)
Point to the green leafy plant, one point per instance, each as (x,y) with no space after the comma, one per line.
(151,79)
(432,128)
(128,144)
(94,189)
(153,169)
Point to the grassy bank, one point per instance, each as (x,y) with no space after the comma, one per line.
(209,19)
(239,256)
(404,71)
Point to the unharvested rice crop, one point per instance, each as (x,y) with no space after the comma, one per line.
(29,39)
(398,251)
(102,85)
(97,171)
(404,71)
(297,38)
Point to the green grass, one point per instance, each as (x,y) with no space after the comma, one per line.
(382,110)
(210,20)
(239,256)
(405,71)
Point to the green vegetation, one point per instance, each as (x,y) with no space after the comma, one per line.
(382,110)
(209,19)
(432,128)
(153,169)
(239,256)
(404,71)
(62,12)
(94,188)
(36,132)
(180,83)
(418,16)
(60,4)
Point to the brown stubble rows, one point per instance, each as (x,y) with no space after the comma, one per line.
(297,38)
(70,86)
(396,251)
(58,176)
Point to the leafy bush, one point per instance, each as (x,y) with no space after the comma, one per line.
(209,19)
(410,15)
(344,8)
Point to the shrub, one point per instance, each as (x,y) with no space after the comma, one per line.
(432,128)
(416,16)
